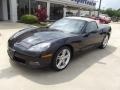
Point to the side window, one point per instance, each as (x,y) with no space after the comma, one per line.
(92,26)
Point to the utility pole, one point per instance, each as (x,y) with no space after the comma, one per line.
(99,8)
(29,6)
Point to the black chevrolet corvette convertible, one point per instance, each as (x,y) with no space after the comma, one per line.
(55,45)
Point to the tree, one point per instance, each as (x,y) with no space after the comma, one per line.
(110,12)
(118,13)
(114,14)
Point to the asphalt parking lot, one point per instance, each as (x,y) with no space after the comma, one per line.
(92,70)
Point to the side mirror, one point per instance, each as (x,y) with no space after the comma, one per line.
(94,31)
(86,34)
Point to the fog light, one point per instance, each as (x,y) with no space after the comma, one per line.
(34,63)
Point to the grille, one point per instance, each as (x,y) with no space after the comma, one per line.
(19,60)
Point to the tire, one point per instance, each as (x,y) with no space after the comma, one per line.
(61,61)
(104,42)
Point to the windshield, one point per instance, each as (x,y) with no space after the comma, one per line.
(68,25)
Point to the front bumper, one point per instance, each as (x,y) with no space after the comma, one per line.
(28,60)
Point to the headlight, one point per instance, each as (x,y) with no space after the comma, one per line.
(40,47)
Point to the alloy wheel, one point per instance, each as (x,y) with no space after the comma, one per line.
(105,42)
(63,58)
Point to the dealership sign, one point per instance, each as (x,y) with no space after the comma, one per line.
(88,2)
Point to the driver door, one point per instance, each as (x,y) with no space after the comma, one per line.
(91,34)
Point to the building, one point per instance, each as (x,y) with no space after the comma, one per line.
(13,9)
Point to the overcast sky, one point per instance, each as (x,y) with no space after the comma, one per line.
(109,4)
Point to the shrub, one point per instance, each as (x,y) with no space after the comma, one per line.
(29,19)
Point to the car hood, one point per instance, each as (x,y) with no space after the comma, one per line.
(34,37)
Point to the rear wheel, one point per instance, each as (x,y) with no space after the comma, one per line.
(105,42)
(61,59)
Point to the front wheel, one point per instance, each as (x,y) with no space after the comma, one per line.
(105,42)
(61,59)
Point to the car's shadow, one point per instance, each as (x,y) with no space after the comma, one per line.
(79,64)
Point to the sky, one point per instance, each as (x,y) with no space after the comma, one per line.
(115,4)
